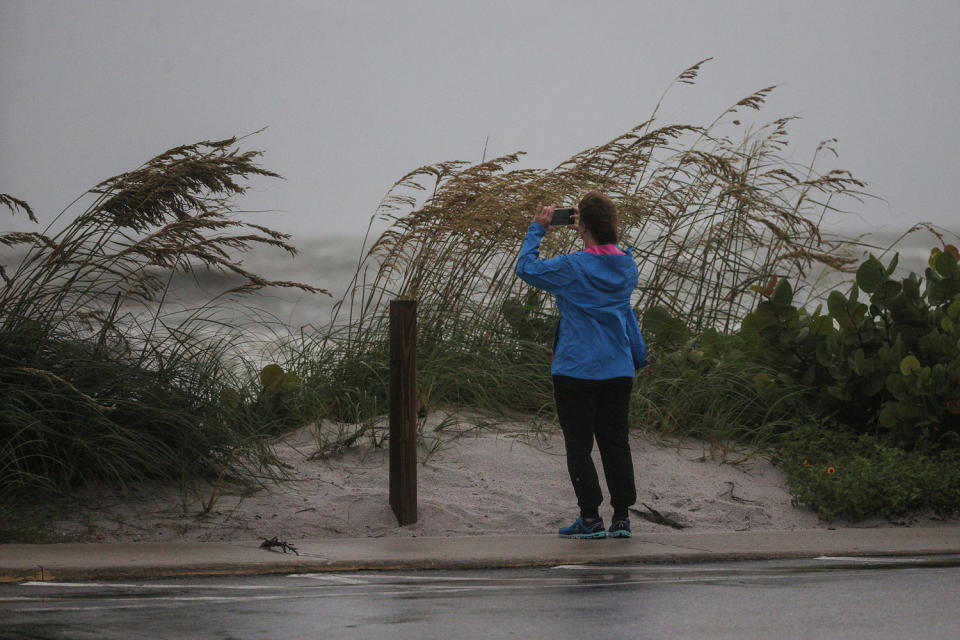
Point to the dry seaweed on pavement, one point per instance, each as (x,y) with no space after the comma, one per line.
(271,543)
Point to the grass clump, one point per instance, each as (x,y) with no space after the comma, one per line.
(102,377)
(346,376)
(709,388)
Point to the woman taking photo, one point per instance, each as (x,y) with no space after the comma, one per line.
(597,350)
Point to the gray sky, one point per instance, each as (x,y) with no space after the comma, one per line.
(355,94)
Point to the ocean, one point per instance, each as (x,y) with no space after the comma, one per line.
(330,262)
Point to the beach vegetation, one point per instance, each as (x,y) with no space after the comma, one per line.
(856,401)
(103,377)
(841,474)
(882,358)
(711,212)
(751,338)
(729,237)
(852,388)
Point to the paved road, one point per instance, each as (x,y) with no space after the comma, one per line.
(914,598)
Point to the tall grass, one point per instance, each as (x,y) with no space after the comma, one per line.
(712,218)
(101,377)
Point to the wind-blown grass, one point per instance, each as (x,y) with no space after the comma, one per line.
(711,220)
(101,378)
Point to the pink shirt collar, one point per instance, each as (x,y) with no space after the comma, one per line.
(605,250)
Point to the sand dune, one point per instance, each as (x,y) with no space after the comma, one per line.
(471,481)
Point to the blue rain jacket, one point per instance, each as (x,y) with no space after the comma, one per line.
(598,336)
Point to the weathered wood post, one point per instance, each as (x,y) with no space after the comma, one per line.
(403,410)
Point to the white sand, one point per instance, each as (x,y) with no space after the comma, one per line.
(507,480)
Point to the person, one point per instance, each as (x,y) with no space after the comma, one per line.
(598,348)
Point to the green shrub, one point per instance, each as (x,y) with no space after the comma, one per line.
(815,390)
(840,474)
(888,366)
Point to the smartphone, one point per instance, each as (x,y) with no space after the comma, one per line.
(562,217)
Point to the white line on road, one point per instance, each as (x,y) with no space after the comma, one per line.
(122,585)
(329,577)
(870,559)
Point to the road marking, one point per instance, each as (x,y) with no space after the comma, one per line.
(874,559)
(383,576)
(122,585)
(373,579)
(328,577)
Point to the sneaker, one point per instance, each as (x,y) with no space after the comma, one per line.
(620,528)
(581,529)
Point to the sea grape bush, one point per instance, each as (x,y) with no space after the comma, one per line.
(887,365)
(859,402)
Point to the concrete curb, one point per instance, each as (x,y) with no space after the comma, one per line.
(115,561)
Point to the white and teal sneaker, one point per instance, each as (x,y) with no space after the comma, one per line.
(620,528)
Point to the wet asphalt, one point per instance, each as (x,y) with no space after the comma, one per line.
(870,598)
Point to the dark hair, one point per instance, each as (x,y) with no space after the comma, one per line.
(599,214)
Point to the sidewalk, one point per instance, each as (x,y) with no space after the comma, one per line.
(82,561)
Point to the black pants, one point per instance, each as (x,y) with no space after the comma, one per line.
(590,409)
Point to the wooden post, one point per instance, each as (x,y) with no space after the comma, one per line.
(403,410)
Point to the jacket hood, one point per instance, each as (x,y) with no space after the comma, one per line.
(609,273)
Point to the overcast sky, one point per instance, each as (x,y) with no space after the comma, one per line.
(357,93)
